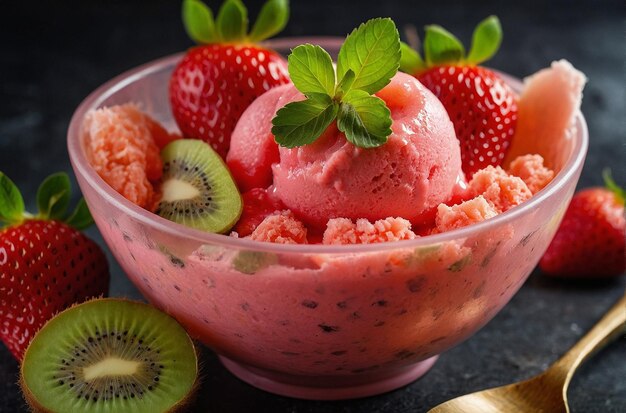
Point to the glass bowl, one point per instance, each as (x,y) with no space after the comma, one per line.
(319,321)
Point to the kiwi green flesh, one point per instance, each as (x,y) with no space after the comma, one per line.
(109,355)
(198,190)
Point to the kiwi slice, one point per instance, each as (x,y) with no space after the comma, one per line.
(110,355)
(198,190)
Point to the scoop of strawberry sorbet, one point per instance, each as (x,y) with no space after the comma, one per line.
(416,170)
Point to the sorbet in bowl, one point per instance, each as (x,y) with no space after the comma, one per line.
(321,321)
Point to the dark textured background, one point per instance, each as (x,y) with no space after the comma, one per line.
(52,54)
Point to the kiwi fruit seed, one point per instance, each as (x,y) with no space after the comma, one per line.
(110,356)
(198,190)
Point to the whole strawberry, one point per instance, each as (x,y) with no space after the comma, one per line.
(590,241)
(215,82)
(482,107)
(46,264)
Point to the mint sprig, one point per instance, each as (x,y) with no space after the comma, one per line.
(53,198)
(367,61)
(231,24)
(441,47)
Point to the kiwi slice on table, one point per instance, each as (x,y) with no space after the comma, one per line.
(110,355)
(198,190)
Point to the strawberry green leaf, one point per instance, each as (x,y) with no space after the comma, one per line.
(440,46)
(364,119)
(232,21)
(612,186)
(346,82)
(53,196)
(198,21)
(301,123)
(410,61)
(311,70)
(372,52)
(11,201)
(272,20)
(81,217)
(485,40)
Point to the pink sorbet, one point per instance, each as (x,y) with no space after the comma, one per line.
(409,176)
(344,231)
(282,228)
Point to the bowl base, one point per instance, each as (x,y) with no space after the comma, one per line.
(338,388)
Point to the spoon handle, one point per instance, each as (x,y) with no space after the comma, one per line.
(608,328)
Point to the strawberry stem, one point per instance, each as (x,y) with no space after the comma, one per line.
(612,186)
(442,48)
(53,198)
(231,23)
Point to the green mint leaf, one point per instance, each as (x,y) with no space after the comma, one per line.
(372,52)
(301,123)
(53,196)
(440,46)
(346,82)
(272,20)
(232,21)
(11,201)
(612,186)
(485,40)
(410,61)
(198,21)
(364,119)
(81,217)
(311,70)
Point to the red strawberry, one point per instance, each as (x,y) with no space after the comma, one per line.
(258,203)
(46,265)
(590,240)
(482,107)
(214,83)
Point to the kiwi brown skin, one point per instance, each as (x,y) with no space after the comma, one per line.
(35,407)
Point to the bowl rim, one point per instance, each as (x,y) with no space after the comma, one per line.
(83,169)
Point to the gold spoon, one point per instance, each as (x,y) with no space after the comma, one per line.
(547,392)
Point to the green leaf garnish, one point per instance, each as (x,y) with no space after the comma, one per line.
(485,40)
(345,83)
(440,46)
(11,201)
(232,21)
(364,119)
(410,60)
(198,21)
(367,61)
(311,70)
(372,52)
(301,123)
(53,196)
(272,19)
(612,186)
(81,217)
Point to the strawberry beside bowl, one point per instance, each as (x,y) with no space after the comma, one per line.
(318,321)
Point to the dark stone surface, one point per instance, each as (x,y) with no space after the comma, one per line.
(54,53)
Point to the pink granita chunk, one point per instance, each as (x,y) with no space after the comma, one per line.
(461,215)
(344,231)
(120,145)
(531,170)
(500,189)
(282,228)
